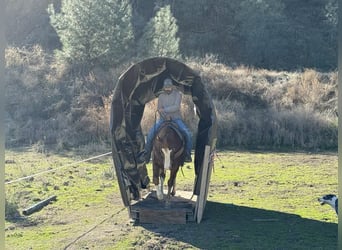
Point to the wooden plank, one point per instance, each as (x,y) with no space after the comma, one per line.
(172,216)
(151,210)
(201,199)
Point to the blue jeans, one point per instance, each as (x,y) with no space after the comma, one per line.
(184,129)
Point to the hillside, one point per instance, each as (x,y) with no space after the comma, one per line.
(50,104)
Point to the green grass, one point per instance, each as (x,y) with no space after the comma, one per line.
(257,200)
(82,190)
(286,182)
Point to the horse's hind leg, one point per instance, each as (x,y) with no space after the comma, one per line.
(173,191)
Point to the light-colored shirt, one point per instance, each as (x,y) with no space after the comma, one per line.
(169,105)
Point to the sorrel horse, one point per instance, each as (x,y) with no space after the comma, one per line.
(168,154)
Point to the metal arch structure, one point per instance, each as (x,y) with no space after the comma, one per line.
(138,85)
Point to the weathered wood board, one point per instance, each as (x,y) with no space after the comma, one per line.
(180,210)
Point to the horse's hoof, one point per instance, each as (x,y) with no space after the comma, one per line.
(160,197)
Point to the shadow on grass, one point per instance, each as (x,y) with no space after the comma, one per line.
(227,226)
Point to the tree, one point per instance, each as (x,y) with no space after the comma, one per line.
(311,33)
(262,33)
(93,31)
(207,27)
(160,36)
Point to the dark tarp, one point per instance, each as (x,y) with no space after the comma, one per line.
(140,84)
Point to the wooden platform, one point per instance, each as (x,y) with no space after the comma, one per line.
(150,210)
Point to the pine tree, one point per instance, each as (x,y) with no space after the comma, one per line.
(93,31)
(160,36)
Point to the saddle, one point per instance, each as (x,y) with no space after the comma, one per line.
(175,127)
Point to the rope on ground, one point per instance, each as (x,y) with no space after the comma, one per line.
(92,229)
(54,169)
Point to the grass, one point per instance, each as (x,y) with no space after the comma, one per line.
(257,200)
(286,182)
(81,192)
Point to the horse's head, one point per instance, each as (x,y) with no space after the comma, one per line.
(169,147)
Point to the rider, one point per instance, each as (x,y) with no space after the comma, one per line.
(169,109)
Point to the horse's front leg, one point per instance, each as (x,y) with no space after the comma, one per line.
(160,185)
(160,191)
(158,180)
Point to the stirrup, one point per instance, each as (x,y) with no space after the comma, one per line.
(188,158)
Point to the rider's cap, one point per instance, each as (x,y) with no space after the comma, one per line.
(167,83)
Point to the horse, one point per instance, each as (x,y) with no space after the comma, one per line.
(168,153)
